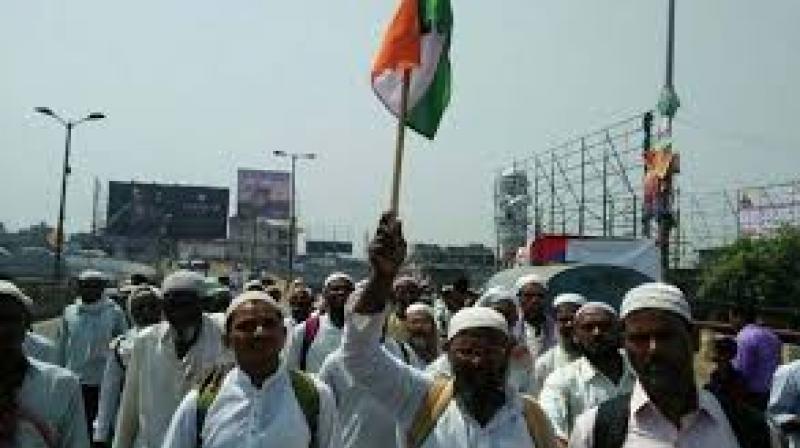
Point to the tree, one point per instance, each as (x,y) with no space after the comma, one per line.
(763,271)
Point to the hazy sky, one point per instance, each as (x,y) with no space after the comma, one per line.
(195,89)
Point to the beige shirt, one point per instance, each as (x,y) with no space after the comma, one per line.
(577,387)
(707,427)
(156,381)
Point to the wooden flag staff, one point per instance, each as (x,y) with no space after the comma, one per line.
(401,136)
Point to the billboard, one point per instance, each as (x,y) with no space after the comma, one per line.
(139,210)
(322,247)
(265,194)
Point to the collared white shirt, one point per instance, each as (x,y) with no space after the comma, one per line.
(404,388)
(39,347)
(707,427)
(245,416)
(577,387)
(83,335)
(328,339)
(554,358)
(365,420)
(156,381)
(52,396)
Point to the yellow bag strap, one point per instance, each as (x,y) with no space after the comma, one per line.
(436,400)
(539,427)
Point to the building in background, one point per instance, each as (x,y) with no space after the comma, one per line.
(443,265)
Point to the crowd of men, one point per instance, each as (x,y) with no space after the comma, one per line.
(381,363)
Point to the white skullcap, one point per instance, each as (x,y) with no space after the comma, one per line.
(90,274)
(418,307)
(405,279)
(569,297)
(337,276)
(476,317)
(496,295)
(656,295)
(253,284)
(251,296)
(596,306)
(183,281)
(530,278)
(10,290)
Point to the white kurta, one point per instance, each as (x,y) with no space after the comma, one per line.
(577,387)
(39,347)
(52,395)
(243,416)
(83,337)
(552,359)
(156,381)
(404,387)
(111,387)
(648,428)
(328,339)
(364,419)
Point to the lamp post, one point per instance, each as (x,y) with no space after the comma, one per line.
(68,125)
(292,215)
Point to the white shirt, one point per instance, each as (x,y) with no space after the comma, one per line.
(39,347)
(243,416)
(328,339)
(121,349)
(83,335)
(156,381)
(554,358)
(577,387)
(365,420)
(52,395)
(405,387)
(707,427)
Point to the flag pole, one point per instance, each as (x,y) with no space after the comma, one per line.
(401,136)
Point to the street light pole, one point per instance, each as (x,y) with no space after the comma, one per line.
(292,206)
(66,170)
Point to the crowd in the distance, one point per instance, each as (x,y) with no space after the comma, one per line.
(384,362)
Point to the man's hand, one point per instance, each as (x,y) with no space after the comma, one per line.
(387,251)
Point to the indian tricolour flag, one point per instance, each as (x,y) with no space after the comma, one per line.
(418,39)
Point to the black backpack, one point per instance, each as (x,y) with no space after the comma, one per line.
(611,426)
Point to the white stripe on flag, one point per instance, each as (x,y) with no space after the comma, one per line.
(388,85)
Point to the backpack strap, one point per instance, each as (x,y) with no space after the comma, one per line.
(748,424)
(611,424)
(207,391)
(308,398)
(310,330)
(436,400)
(539,427)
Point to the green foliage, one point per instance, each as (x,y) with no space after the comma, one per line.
(764,271)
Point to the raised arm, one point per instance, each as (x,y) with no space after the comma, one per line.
(392,382)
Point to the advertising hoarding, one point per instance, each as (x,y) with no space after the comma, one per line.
(264,194)
(149,210)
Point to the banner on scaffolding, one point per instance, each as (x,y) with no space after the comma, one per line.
(763,210)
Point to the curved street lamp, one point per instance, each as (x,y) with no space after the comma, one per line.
(68,125)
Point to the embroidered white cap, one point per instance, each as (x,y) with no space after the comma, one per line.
(476,317)
(656,295)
